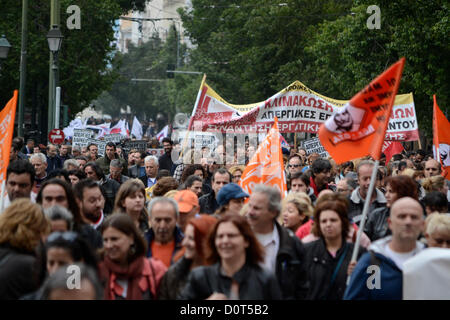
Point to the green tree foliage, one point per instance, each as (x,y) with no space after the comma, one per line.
(251,49)
(242,44)
(345,54)
(147,98)
(84,58)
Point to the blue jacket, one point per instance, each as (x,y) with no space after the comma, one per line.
(391,277)
(178,235)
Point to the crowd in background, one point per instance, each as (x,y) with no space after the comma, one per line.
(140,226)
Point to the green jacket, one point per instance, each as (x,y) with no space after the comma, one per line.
(104,162)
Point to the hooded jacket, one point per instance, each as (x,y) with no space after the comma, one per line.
(390,275)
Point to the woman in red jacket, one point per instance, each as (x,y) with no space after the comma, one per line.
(126,272)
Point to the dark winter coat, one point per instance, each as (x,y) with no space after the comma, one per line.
(321,265)
(376,226)
(175,279)
(208,203)
(16,273)
(254,282)
(290,268)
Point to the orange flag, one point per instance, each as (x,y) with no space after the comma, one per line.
(6,134)
(266,165)
(441,139)
(359,128)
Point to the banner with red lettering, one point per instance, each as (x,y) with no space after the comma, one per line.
(298,109)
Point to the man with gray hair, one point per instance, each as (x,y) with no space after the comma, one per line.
(164,237)
(358,196)
(151,171)
(284,253)
(115,171)
(39,162)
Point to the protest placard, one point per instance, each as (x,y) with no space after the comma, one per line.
(314,145)
(81,137)
(115,137)
(101,144)
(140,145)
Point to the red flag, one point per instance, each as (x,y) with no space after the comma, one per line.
(266,165)
(6,134)
(441,139)
(359,128)
(390,148)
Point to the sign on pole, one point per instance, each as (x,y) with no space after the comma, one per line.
(56,136)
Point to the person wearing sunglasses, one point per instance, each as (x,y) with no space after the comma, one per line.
(294,164)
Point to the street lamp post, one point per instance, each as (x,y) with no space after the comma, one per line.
(4,49)
(54,38)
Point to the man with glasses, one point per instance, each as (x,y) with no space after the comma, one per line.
(294,164)
(346,186)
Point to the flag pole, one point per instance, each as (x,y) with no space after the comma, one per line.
(193,113)
(364,214)
(2,198)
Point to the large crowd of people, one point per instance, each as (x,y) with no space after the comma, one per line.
(143,227)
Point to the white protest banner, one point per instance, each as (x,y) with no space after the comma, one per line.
(298,109)
(140,145)
(81,137)
(101,144)
(314,146)
(115,137)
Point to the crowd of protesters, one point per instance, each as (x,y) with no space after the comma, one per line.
(140,226)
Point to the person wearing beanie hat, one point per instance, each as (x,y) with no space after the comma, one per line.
(192,255)
(230,199)
(188,206)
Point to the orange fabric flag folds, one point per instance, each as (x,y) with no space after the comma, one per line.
(6,134)
(441,139)
(359,128)
(266,165)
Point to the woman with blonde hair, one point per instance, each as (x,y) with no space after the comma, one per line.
(435,183)
(22,226)
(296,210)
(236,173)
(437,230)
(130,199)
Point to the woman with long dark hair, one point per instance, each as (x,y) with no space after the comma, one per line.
(235,273)
(124,269)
